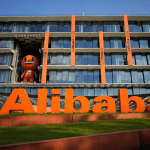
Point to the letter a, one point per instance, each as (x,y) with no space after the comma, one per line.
(110,104)
(10,104)
(124,102)
(69,100)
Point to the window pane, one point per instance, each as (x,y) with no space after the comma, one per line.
(84,77)
(97,91)
(146,76)
(107,59)
(59,58)
(91,92)
(106,26)
(96,76)
(90,58)
(67,27)
(110,92)
(94,26)
(71,77)
(78,76)
(55,26)
(61,26)
(95,59)
(109,76)
(66,59)
(99,27)
(65,76)
(106,43)
(59,77)
(54,43)
(78,59)
(90,77)
(84,59)
(52,76)
(103,92)
(95,43)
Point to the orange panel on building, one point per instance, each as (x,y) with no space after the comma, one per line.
(128,43)
(45,55)
(73,40)
(102,59)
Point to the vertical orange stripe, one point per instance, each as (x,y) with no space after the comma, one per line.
(127,34)
(102,60)
(72,40)
(45,55)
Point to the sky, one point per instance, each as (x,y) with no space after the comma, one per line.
(76,7)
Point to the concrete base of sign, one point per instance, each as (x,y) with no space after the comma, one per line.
(56,119)
(126,140)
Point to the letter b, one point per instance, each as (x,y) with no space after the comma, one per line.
(124,102)
(69,100)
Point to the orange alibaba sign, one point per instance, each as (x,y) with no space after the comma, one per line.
(26,106)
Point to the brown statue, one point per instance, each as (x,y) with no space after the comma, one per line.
(29,63)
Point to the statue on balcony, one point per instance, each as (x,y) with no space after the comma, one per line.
(29,63)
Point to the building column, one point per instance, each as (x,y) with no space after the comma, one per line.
(128,43)
(102,59)
(45,56)
(15,63)
(72,40)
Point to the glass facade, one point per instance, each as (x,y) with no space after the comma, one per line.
(87,59)
(88,92)
(96,26)
(146,26)
(74,76)
(60,43)
(81,26)
(127,76)
(121,58)
(120,42)
(19,27)
(94,58)
(86,42)
(6,59)
(135,26)
(7,43)
(93,42)
(52,26)
(84,77)
(4,76)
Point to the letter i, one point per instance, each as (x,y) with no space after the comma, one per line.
(55,106)
(42,100)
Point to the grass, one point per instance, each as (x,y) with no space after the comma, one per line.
(22,134)
(89,113)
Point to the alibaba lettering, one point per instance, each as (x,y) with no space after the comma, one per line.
(26,106)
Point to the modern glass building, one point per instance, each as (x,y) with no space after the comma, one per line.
(24,35)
